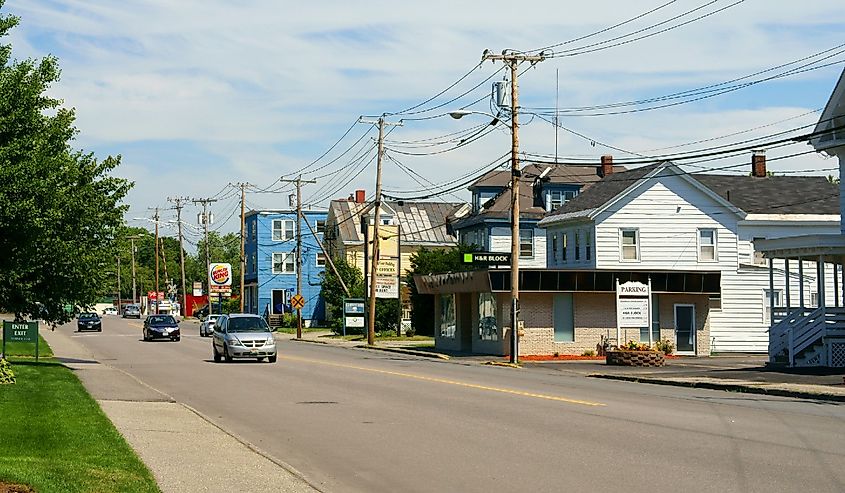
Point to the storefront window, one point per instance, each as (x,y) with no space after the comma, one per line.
(447,316)
(488,325)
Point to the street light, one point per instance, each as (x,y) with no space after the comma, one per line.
(515,175)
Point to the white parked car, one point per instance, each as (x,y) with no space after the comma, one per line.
(110,311)
(207,325)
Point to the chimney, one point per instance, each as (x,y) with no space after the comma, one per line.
(606,166)
(360,196)
(758,164)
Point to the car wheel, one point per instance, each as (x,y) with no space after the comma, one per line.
(146,336)
(216,354)
(100,329)
(260,359)
(178,338)
(271,359)
(226,355)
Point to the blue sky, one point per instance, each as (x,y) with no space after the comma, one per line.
(196,94)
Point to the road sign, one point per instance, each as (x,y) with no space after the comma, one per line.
(20,332)
(353,313)
(297,302)
(487,258)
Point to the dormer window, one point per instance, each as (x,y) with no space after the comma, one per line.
(556,198)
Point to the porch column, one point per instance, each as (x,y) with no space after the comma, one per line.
(835,285)
(801,282)
(786,272)
(820,291)
(771,292)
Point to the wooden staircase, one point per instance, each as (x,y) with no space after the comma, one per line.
(808,337)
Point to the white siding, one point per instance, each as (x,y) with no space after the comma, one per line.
(584,261)
(501,242)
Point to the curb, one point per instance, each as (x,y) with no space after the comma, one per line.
(729,387)
(424,354)
(500,363)
(294,339)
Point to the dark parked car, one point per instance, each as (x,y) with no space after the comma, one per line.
(132,311)
(201,312)
(161,326)
(89,321)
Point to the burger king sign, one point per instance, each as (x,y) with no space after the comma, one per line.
(220,277)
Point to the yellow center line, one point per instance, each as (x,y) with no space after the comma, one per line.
(448,382)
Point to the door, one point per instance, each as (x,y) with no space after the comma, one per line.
(279,301)
(685,329)
(563,318)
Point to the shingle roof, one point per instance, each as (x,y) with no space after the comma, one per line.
(769,195)
(421,223)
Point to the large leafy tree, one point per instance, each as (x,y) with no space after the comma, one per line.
(60,208)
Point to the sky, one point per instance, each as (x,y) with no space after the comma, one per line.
(197,94)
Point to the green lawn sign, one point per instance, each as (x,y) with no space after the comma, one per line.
(20,332)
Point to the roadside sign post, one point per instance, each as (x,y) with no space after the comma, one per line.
(353,313)
(20,332)
(633,308)
(297,302)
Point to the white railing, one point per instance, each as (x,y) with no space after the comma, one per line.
(802,328)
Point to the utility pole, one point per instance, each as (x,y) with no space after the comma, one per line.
(132,245)
(205,221)
(157,254)
(243,187)
(371,319)
(299,181)
(118,285)
(179,201)
(513,60)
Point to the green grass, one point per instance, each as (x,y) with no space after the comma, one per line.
(55,438)
(292,330)
(16,350)
(386,338)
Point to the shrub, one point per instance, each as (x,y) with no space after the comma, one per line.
(557,354)
(410,332)
(665,346)
(588,352)
(635,346)
(289,320)
(7,376)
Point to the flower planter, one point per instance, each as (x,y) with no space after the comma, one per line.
(635,358)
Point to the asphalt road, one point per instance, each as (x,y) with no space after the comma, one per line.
(358,420)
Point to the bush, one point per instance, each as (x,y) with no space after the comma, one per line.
(289,320)
(7,376)
(635,346)
(410,332)
(665,346)
(588,352)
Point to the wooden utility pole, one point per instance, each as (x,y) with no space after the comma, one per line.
(299,181)
(513,60)
(179,201)
(132,246)
(156,250)
(371,319)
(118,285)
(205,221)
(243,187)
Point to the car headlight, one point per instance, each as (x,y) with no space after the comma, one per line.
(234,341)
(270,341)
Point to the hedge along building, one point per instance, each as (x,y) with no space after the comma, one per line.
(690,235)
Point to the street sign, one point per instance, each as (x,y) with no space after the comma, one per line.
(20,332)
(353,313)
(487,258)
(197,288)
(297,302)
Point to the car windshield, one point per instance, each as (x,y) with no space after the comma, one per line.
(247,324)
(87,315)
(162,319)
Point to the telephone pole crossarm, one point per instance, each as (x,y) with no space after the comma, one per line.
(299,181)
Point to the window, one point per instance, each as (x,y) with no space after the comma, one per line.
(814,299)
(563,239)
(283,229)
(253,230)
(588,244)
(254,263)
(526,243)
(630,239)
(569,195)
(320,226)
(283,263)
(321,260)
(706,245)
(555,200)
(447,316)
(488,325)
(577,246)
(554,247)
(757,257)
(767,305)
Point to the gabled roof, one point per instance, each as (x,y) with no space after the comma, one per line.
(833,116)
(742,194)
(421,223)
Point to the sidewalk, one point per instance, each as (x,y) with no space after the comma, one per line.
(735,373)
(184,450)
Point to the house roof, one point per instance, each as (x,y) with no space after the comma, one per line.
(832,116)
(559,174)
(771,194)
(421,223)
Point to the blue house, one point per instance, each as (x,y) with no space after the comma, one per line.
(270,249)
(543,188)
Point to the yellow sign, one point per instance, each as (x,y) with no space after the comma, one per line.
(388,245)
(297,302)
(387,267)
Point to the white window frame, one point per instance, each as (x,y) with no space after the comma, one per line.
(289,258)
(319,256)
(622,232)
(588,245)
(715,244)
(531,231)
(317,228)
(554,247)
(557,202)
(254,263)
(287,229)
(254,228)
(564,237)
(767,307)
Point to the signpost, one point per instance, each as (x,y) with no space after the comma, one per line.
(297,302)
(353,313)
(219,283)
(633,307)
(488,258)
(20,332)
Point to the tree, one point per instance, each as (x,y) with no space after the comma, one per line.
(60,208)
(226,249)
(332,290)
(427,261)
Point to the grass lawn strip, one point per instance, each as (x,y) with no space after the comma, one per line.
(27,349)
(55,438)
